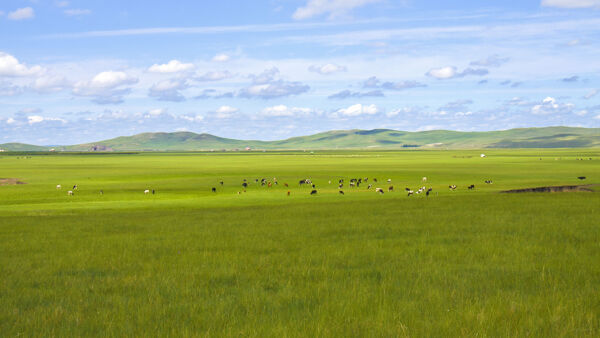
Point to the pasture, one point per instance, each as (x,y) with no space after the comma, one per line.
(187,261)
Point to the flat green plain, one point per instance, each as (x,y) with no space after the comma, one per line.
(189,262)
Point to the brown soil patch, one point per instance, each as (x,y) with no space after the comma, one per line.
(10,181)
(560,188)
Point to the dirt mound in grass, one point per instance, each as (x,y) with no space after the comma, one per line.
(10,181)
(560,188)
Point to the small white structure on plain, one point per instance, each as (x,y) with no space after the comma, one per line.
(424,179)
(482,155)
(146,192)
(58,187)
(70,193)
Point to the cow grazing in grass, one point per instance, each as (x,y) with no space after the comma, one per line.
(471,187)
(410,192)
(70,193)
(153,191)
(341,192)
(581,178)
(391,188)
(289,192)
(314,192)
(75,187)
(428,191)
(213,189)
(488,182)
(146,192)
(58,187)
(424,179)
(369,186)
(245,185)
(379,190)
(452,187)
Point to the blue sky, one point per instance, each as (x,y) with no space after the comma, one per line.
(80,71)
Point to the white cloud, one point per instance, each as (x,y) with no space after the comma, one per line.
(38,119)
(21,14)
(10,66)
(169,90)
(173,66)
(591,94)
(334,8)
(550,106)
(266,86)
(358,109)
(283,110)
(443,73)
(401,111)
(106,87)
(77,12)
(327,69)
(571,3)
(221,58)
(450,72)
(225,112)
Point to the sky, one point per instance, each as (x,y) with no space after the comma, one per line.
(77,71)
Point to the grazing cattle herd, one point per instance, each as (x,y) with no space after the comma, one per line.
(354,183)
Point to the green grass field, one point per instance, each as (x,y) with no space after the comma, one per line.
(189,262)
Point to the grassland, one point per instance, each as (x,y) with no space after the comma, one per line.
(189,262)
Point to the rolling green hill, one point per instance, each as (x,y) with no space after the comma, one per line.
(549,137)
(22,147)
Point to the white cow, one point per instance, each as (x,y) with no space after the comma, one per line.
(146,192)
(70,193)
(424,179)
(58,186)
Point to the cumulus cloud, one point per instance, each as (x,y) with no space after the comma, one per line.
(168,90)
(450,72)
(10,66)
(214,76)
(550,106)
(225,112)
(334,8)
(173,66)
(106,87)
(344,94)
(490,61)
(21,14)
(267,85)
(284,111)
(77,12)
(221,58)
(402,111)
(357,110)
(591,94)
(374,82)
(571,3)
(327,69)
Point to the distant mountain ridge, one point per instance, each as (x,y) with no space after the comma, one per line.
(547,137)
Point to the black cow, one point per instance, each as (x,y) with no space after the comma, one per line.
(428,191)
(214,189)
(341,192)
(245,185)
(581,178)
(471,187)
(314,192)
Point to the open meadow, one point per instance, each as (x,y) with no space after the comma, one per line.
(186,261)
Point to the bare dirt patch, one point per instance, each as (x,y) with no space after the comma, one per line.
(560,188)
(10,181)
